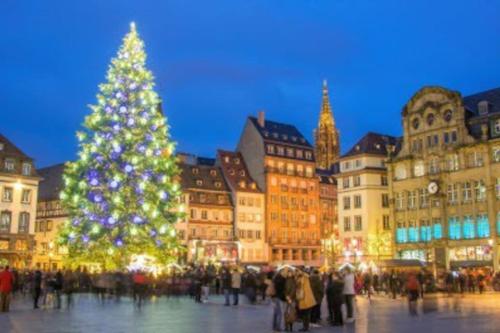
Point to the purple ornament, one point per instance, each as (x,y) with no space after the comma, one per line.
(141,148)
(116,127)
(163,195)
(111,220)
(130,122)
(114,184)
(128,168)
(76,222)
(123,109)
(117,149)
(119,242)
(157,152)
(149,137)
(153,127)
(137,219)
(114,155)
(152,233)
(85,238)
(94,181)
(108,109)
(158,242)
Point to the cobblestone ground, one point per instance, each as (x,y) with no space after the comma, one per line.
(469,314)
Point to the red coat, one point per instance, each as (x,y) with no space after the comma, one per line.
(6,281)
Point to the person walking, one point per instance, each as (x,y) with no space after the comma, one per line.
(349,293)
(6,286)
(277,293)
(305,299)
(318,290)
(58,286)
(140,285)
(37,287)
(412,288)
(236,285)
(226,284)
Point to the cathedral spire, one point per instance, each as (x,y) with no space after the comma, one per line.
(326,135)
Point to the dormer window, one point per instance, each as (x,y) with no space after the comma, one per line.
(231,172)
(1,146)
(377,146)
(281,151)
(270,149)
(447,115)
(483,107)
(226,159)
(199,182)
(243,184)
(242,173)
(275,135)
(430,119)
(285,137)
(194,171)
(266,134)
(308,155)
(218,184)
(294,138)
(236,161)
(213,173)
(253,186)
(26,169)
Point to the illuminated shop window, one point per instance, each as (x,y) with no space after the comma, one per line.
(413,233)
(454,228)
(425,231)
(437,230)
(468,228)
(483,227)
(401,234)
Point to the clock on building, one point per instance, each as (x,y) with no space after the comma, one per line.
(433,188)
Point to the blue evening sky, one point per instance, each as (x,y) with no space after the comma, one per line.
(218,61)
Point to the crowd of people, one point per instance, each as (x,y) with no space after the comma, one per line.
(296,294)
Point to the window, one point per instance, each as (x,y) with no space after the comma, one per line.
(452,163)
(479,190)
(192,213)
(437,229)
(467,192)
(497,187)
(413,235)
(483,227)
(497,126)
(496,154)
(26,169)
(357,201)
(24,222)
(454,228)
(474,159)
(423,194)
(358,225)
(299,153)
(281,151)
(399,201)
(9,164)
(309,172)
(385,200)
(5,220)
(203,197)
(419,169)
(347,202)
(204,215)
(401,233)
(383,181)
(308,155)
(345,182)
(289,152)
(434,165)
(468,230)
(386,224)
(356,181)
(412,199)
(347,223)
(258,234)
(400,172)
(7,194)
(452,194)
(425,231)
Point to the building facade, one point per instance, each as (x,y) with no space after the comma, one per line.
(50,216)
(326,135)
(281,161)
(207,230)
(445,180)
(329,229)
(18,189)
(365,228)
(249,208)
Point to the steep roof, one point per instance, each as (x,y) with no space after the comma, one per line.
(276,132)
(202,177)
(492,96)
(235,171)
(326,177)
(52,182)
(11,150)
(374,144)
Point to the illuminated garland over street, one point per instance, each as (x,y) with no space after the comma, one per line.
(122,193)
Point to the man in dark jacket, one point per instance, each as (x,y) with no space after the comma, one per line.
(334,296)
(58,285)
(37,288)
(279,299)
(226,284)
(318,291)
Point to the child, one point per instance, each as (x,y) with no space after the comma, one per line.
(290,316)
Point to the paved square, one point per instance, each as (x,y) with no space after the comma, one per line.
(469,314)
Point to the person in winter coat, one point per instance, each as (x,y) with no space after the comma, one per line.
(305,299)
(318,290)
(236,285)
(278,298)
(349,293)
(226,284)
(335,297)
(37,287)
(6,287)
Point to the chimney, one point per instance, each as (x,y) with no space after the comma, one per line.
(261,119)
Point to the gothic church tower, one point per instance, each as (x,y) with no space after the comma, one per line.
(326,136)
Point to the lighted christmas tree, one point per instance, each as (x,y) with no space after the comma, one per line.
(122,192)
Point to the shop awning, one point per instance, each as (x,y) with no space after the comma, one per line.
(401,263)
(470,263)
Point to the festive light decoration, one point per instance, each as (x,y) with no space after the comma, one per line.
(120,193)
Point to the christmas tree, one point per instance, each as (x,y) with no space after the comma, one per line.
(122,193)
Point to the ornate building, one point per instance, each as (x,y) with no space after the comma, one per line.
(282,163)
(249,202)
(49,217)
(328,214)
(208,229)
(364,215)
(18,190)
(327,144)
(445,180)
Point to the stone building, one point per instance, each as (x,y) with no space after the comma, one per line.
(329,229)
(208,227)
(49,218)
(281,161)
(326,135)
(445,180)
(363,200)
(18,190)
(249,212)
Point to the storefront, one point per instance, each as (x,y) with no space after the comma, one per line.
(213,251)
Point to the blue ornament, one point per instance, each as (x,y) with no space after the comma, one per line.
(114,184)
(111,220)
(128,168)
(119,242)
(85,238)
(130,121)
(149,137)
(152,233)
(108,109)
